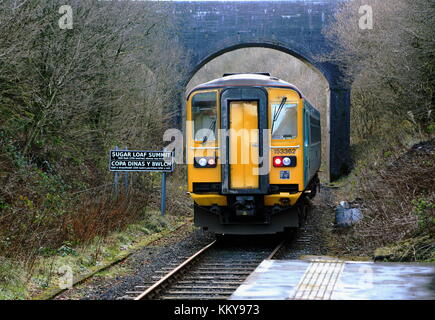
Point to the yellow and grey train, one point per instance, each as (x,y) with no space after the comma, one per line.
(254,152)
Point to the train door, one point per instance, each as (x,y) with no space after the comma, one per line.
(244,151)
(306,145)
(245,145)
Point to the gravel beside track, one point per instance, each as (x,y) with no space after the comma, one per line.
(143,265)
(150,263)
(215,274)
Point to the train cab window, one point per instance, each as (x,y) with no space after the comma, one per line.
(204,116)
(284,121)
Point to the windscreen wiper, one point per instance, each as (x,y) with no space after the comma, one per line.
(277,112)
(211,128)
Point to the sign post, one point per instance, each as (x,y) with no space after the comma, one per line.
(163,198)
(142,161)
(126,180)
(116,179)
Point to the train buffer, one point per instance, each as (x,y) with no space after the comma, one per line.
(326,278)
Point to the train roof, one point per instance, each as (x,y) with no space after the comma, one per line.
(246,80)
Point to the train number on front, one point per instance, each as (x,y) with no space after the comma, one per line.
(285,151)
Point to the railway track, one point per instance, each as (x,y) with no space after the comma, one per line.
(214,272)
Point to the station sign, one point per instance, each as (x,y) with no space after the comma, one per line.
(141,161)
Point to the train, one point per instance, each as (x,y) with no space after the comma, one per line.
(253,154)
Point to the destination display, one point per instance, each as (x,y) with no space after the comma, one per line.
(136,160)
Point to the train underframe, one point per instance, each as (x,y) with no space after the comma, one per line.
(247,214)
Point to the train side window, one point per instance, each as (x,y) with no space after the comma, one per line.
(315,130)
(286,124)
(204,116)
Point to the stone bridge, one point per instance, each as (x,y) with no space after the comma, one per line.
(212,28)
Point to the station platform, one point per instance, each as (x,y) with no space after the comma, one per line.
(325,278)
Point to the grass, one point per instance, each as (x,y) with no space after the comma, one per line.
(81,260)
(395,191)
(419,248)
(47,231)
(12,280)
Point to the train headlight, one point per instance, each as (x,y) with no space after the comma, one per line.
(286,161)
(277,162)
(205,162)
(202,162)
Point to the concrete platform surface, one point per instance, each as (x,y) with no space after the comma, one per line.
(333,279)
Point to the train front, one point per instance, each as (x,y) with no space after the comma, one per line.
(245,154)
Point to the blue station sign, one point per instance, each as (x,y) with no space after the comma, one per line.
(137,160)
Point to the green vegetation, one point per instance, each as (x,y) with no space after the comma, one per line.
(81,260)
(424,209)
(66,97)
(12,280)
(413,249)
(391,70)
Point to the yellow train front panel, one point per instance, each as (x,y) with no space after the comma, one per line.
(242,170)
(197,148)
(286,146)
(245,151)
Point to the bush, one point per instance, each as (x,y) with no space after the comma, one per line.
(391,69)
(398,200)
(66,98)
(424,209)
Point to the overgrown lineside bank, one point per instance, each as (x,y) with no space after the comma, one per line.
(391,70)
(397,199)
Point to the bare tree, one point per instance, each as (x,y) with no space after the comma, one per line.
(66,97)
(390,66)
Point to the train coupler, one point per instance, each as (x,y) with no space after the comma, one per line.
(245,206)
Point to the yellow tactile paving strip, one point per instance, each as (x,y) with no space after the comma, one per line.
(319,280)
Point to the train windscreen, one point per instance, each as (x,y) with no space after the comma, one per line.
(286,121)
(204,116)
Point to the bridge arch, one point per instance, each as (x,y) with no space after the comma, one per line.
(212,28)
(327,70)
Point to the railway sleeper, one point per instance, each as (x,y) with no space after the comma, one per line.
(236,277)
(230,264)
(224,272)
(199,293)
(224,282)
(212,288)
(223,268)
(244,269)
